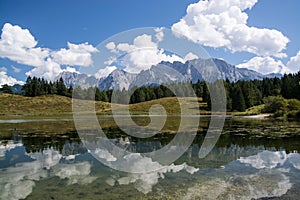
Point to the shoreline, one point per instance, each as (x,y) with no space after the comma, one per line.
(69,116)
(259,116)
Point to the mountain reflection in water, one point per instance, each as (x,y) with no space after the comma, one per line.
(239,167)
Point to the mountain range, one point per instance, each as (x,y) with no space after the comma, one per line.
(166,72)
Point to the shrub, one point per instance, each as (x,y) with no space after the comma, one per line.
(279,113)
(293,104)
(274,104)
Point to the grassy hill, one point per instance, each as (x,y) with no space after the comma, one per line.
(42,105)
(54,105)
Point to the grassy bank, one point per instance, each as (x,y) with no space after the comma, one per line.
(54,106)
(255,110)
(14,105)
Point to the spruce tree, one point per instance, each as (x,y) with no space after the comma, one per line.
(61,88)
(6,89)
(238,101)
(206,95)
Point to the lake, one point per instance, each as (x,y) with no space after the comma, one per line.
(253,159)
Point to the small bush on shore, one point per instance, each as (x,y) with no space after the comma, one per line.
(293,104)
(274,104)
(281,107)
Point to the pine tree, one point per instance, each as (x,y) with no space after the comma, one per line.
(140,96)
(6,89)
(27,87)
(267,87)
(159,92)
(287,86)
(35,87)
(52,88)
(228,89)
(276,86)
(296,90)
(61,88)
(238,101)
(206,95)
(70,91)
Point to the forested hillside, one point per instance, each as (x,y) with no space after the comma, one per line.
(240,95)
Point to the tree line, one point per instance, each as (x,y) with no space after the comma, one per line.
(39,86)
(240,95)
(244,94)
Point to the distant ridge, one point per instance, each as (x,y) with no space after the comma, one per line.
(165,72)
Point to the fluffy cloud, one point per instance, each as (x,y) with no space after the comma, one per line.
(224,24)
(19,45)
(294,63)
(142,59)
(159,34)
(140,42)
(76,54)
(144,41)
(142,54)
(124,47)
(49,70)
(5,79)
(110,46)
(110,60)
(264,65)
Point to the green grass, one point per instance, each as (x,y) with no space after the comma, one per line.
(42,105)
(255,110)
(48,106)
(172,106)
(54,106)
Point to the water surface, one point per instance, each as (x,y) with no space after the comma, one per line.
(253,159)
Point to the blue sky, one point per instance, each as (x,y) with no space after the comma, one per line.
(54,24)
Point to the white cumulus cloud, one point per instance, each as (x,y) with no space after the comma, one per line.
(5,79)
(143,59)
(49,70)
(264,65)
(159,34)
(294,63)
(76,54)
(110,60)
(224,24)
(142,53)
(19,45)
(110,46)
(144,41)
